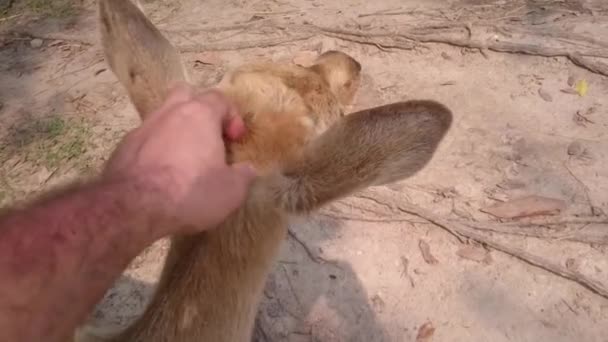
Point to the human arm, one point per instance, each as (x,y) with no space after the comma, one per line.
(60,254)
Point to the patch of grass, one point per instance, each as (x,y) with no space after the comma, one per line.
(5,6)
(53,8)
(48,142)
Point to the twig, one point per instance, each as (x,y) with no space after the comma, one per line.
(10,17)
(379,12)
(577,236)
(367,219)
(293,292)
(262,43)
(25,35)
(369,39)
(260,334)
(313,256)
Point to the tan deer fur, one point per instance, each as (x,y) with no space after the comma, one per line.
(308,154)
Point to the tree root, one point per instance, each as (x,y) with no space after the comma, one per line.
(459,229)
(407,38)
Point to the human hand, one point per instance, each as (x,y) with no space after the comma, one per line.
(179,156)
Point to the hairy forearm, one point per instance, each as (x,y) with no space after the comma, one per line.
(59,257)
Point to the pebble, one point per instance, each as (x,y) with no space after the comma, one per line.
(575,149)
(36,43)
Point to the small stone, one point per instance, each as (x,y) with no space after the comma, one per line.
(36,43)
(545,95)
(575,149)
(597,211)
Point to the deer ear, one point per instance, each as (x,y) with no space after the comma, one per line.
(142,59)
(372,147)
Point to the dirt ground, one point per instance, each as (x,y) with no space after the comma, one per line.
(526,83)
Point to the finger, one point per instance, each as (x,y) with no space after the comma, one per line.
(220,107)
(234,128)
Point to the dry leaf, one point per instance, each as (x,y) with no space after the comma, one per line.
(526,206)
(425,332)
(571,81)
(305,58)
(545,95)
(475,253)
(425,250)
(581,87)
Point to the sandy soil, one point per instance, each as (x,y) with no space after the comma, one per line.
(356,271)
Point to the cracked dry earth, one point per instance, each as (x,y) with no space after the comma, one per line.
(364,269)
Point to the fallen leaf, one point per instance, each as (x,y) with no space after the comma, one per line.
(475,253)
(425,332)
(571,81)
(545,95)
(581,87)
(575,149)
(569,91)
(305,58)
(572,264)
(526,206)
(425,250)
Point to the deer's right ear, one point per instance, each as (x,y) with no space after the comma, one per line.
(142,59)
(371,147)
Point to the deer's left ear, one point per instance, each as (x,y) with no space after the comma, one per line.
(142,59)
